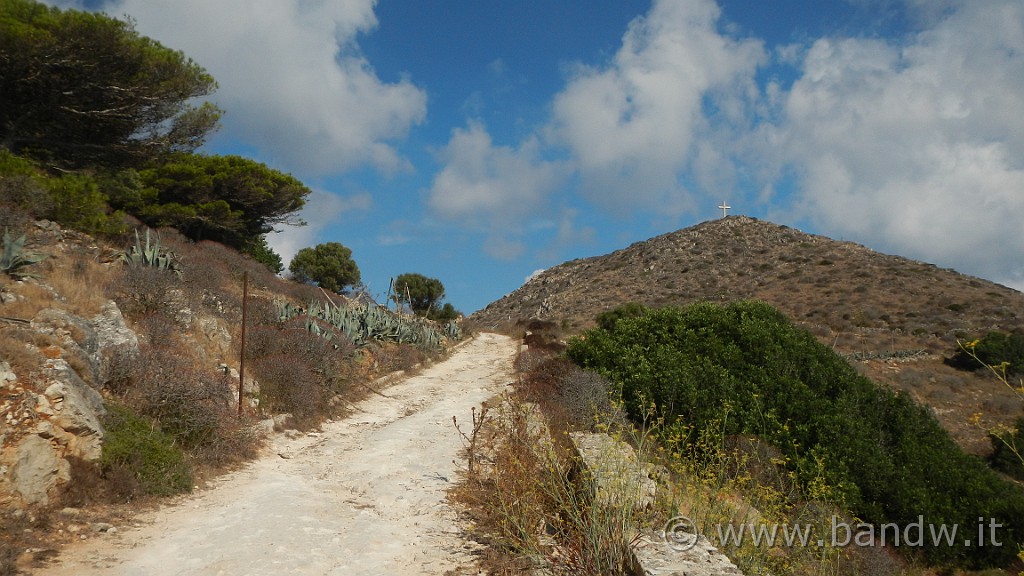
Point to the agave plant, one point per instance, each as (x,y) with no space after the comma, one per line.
(13,258)
(151,254)
(364,323)
(453,331)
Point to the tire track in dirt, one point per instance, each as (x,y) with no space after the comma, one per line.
(364,496)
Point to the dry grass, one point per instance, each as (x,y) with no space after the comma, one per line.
(530,501)
(387,357)
(299,373)
(19,533)
(529,497)
(145,291)
(83,284)
(16,351)
(31,299)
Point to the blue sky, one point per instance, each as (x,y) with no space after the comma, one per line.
(479,141)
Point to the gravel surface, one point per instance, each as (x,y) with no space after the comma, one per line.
(366,495)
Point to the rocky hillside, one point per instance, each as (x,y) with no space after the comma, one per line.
(896,317)
(119,382)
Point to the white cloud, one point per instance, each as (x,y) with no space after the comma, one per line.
(631,127)
(493,188)
(534,274)
(322,209)
(916,147)
(567,235)
(291,77)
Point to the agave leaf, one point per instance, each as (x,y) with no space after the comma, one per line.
(151,254)
(12,258)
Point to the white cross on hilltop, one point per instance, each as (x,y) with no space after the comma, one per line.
(725,209)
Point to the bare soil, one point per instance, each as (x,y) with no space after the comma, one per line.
(365,495)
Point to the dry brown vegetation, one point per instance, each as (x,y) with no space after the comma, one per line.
(528,496)
(853,299)
(180,383)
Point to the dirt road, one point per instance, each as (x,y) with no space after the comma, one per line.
(364,496)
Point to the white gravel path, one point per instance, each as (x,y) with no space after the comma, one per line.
(364,496)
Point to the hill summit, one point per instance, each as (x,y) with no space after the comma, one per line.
(897,316)
(821,283)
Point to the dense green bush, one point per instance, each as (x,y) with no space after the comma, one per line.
(608,319)
(1006,451)
(994,349)
(746,368)
(14,165)
(77,202)
(72,200)
(137,445)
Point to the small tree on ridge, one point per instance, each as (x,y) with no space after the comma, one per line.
(419,292)
(328,265)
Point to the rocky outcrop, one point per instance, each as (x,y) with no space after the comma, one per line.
(115,342)
(39,470)
(618,474)
(73,410)
(98,343)
(43,430)
(619,477)
(6,374)
(699,558)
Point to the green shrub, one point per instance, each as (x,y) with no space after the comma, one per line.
(13,165)
(77,202)
(608,319)
(995,349)
(1007,449)
(138,445)
(72,200)
(23,196)
(747,368)
(261,252)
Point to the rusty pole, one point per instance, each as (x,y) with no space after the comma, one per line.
(241,354)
